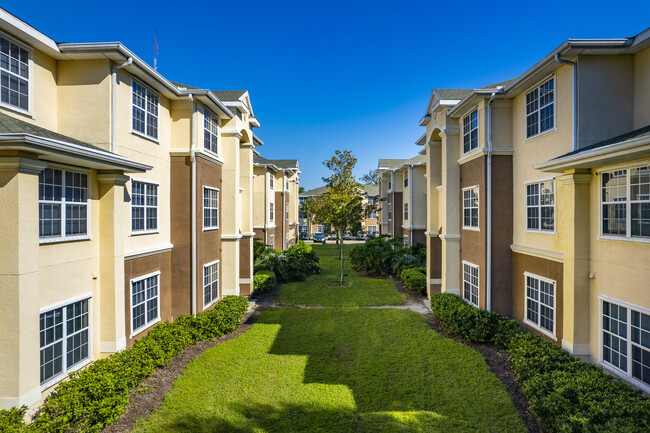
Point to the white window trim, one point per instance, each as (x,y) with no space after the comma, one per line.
(138,133)
(628,225)
(63,237)
(553,334)
(58,378)
(147,325)
(272,241)
(462,125)
(478,209)
(30,80)
(406,211)
(210,228)
(405,178)
(145,231)
(271,211)
(544,232)
(218,121)
(530,89)
(478,286)
(216,262)
(622,374)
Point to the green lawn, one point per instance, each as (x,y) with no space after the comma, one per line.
(337,370)
(361,291)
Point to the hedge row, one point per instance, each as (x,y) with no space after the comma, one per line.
(264,281)
(565,394)
(415,279)
(97,395)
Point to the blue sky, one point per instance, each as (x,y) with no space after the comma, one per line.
(338,74)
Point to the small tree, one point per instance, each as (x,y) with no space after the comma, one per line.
(370,178)
(340,206)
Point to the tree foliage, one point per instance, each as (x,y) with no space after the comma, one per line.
(370,178)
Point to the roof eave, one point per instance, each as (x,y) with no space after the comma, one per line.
(23,31)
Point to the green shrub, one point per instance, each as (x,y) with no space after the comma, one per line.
(264,281)
(95,396)
(377,255)
(415,279)
(294,264)
(565,394)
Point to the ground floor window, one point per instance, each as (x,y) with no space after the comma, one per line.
(302,229)
(372,230)
(271,243)
(64,340)
(145,302)
(406,241)
(210,283)
(540,303)
(626,340)
(320,229)
(470,283)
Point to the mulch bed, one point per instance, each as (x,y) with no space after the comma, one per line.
(149,395)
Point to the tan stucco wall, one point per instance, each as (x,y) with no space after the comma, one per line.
(642,89)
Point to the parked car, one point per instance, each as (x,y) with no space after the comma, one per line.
(319,238)
(332,236)
(361,236)
(347,237)
(303,236)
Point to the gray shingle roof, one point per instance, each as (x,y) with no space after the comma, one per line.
(452,93)
(418,159)
(313,192)
(11,125)
(257,159)
(391,163)
(229,95)
(371,189)
(285,163)
(618,139)
(501,84)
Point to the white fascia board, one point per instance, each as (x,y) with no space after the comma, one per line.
(48,145)
(425,120)
(238,105)
(254,122)
(421,141)
(20,29)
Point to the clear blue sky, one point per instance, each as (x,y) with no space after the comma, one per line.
(339,74)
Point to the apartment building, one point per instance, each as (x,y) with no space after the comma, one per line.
(538,197)
(305,223)
(370,200)
(402,194)
(276,205)
(111,182)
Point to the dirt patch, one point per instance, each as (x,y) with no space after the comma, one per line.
(338,284)
(499,363)
(148,396)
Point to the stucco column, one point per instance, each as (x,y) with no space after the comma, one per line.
(112,327)
(449,214)
(19,281)
(246,243)
(573,225)
(433,180)
(230,202)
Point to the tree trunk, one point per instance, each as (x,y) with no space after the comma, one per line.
(341,253)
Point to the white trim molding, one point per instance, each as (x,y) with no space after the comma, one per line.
(537,252)
(145,252)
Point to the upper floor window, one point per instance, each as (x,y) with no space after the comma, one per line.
(406,211)
(14,75)
(62,204)
(210,208)
(210,132)
(271,212)
(470,131)
(302,214)
(390,182)
(540,206)
(626,203)
(286,185)
(145,110)
(144,207)
(390,211)
(406,178)
(271,181)
(470,207)
(540,108)
(286,211)
(540,303)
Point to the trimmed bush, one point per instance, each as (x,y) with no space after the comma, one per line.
(377,255)
(294,264)
(565,394)
(415,279)
(264,281)
(96,396)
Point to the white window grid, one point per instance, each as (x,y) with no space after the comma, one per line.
(271,213)
(271,180)
(286,211)
(210,283)
(470,131)
(272,242)
(14,75)
(625,203)
(210,132)
(302,229)
(625,340)
(390,183)
(65,340)
(540,303)
(320,229)
(406,211)
(471,207)
(145,302)
(64,201)
(372,229)
(540,206)
(144,207)
(540,108)
(145,110)
(471,283)
(210,208)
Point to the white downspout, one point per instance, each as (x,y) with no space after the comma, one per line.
(574,96)
(284,213)
(114,69)
(392,205)
(488,303)
(193,212)
(412,207)
(266,206)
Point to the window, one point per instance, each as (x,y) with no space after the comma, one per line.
(210,132)
(626,341)
(210,283)
(302,229)
(470,207)
(540,109)
(286,241)
(144,207)
(390,211)
(271,216)
(144,302)
(372,214)
(406,178)
(62,204)
(271,243)
(14,75)
(302,214)
(286,184)
(406,241)
(372,230)
(540,206)
(470,283)
(286,211)
(540,303)
(271,180)
(390,182)
(210,208)
(470,131)
(626,203)
(320,229)
(406,211)
(145,110)
(64,340)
